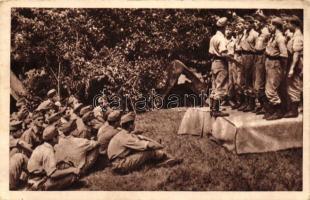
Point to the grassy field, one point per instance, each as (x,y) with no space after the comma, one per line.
(206,166)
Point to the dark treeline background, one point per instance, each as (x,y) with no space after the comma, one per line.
(126,51)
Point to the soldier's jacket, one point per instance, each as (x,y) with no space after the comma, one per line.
(297,41)
(218,44)
(31,136)
(231,43)
(105,134)
(124,143)
(73,149)
(262,40)
(276,45)
(18,164)
(248,40)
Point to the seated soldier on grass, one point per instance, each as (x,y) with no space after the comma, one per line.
(43,173)
(129,151)
(18,170)
(79,152)
(108,130)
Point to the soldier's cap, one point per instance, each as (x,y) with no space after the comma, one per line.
(77,106)
(37,116)
(128,118)
(85,110)
(57,103)
(260,17)
(249,18)
(51,93)
(15,125)
(294,19)
(114,116)
(54,117)
(49,133)
(87,115)
(68,126)
(239,20)
(20,102)
(277,20)
(222,22)
(45,105)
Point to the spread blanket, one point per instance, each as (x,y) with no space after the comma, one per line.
(244,132)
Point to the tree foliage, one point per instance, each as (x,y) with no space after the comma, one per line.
(122,48)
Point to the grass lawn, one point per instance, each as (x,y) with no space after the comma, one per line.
(206,166)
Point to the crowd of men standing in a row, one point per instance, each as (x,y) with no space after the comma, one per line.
(57,143)
(257,65)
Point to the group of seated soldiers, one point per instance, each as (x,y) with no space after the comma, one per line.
(54,145)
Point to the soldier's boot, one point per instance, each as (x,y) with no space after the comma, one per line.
(269,109)
(278,114)
(212,109)
(245,103)
(260,109)
(217,112)
(292,110)
(239,102)
(251,105)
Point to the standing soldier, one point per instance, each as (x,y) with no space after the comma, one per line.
(232,68)
(238,57)
(259,64)
(276,53)
(248,57)
(219,66)
(295,73)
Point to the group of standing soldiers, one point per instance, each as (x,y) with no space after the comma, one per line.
(55,144)
(257,65)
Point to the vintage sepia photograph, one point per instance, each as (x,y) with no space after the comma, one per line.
(156,99)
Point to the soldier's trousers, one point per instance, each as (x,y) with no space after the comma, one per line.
(233,79)
(239,70)
(295,84)
(260,75)
(136,160)
(274,76)
(219,79)
(248,73)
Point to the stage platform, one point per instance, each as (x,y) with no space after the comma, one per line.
(244,132)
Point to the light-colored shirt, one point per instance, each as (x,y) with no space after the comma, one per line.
(298,41)
(231,43)
(248,40)
(73,149)
(276,45)
(105,134)
(123,143)
(18,163)
(218,44)
(238,42)
(30,136)
(42,160)
(262,40)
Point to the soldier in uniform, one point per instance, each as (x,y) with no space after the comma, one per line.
(232,68)
(248,57)
(239,27)
(43,173)
(129,151)
(295,73)
(276,61)
(218,51)
(259,63)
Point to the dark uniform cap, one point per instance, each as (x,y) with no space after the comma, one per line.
(295,19)
(277,20)
(260,17)
(222,22)
(128,118)
(49,133)
(85,109)
(15,125)
(51,93)
(249,18)
(69,126)
(114,116)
